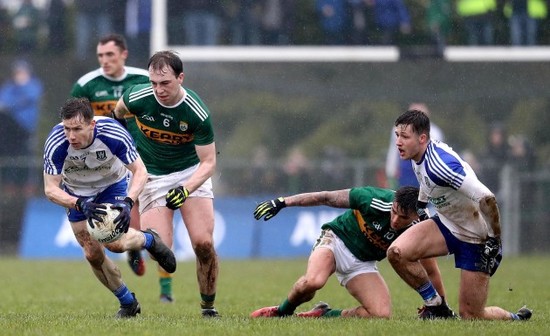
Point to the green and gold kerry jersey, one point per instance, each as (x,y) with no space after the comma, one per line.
(166,136)
(365,229)
(104,91)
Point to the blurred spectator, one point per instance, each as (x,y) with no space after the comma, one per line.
(26,25)
(138,30)
(524,18)
(361,17)
(392,19)
(333,169)
(522,156)
(202,21)
(94,19)
(333,18)
(399,172)
(277,21)
(438,19)
(297,172)
(57,26)
(495,157)
(20,100)
(244,22)
(477,16)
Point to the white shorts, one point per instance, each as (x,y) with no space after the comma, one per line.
(157,186)
(347,265)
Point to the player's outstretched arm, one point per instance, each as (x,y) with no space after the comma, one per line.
(336,199)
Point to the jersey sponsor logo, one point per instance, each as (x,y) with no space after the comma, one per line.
(438,202)
(164,136)
(75,169)
(372,235)
(104,108)
(148,118)
(101,93)
(101,155)
(168,116)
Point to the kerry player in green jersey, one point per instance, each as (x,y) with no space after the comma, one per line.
(350,246)
(175,138)
(103,87)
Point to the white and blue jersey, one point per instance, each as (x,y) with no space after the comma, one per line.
(451,185)
(89,171)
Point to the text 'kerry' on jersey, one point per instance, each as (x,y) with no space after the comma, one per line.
(104,91)
(166,135)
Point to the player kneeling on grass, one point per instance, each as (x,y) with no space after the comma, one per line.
(467,225)
(86,161)
(350,246)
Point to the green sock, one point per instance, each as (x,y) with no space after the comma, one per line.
(165,286)
(333,313)
(207,301)
(286,308)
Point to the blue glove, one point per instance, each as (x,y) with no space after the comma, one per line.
(268,209)
(90,209)
(122,221)
(175,197)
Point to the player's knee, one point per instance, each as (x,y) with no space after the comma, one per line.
(364,312)
(205,251)
(312,284)
(469,314)
(94,257)
(393,254)
(116,247)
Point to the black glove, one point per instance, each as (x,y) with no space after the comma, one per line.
(491,255)
(122,221)
(175,197)
(421,210)
(90,209)
(269,209)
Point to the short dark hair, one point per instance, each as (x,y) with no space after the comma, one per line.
(164,58)
(406,198)
(118,39)
(419,121)
(77,107)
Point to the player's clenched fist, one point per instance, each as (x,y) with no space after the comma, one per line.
(269,209)
(176,196)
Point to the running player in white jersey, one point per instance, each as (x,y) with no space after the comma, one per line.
(86,163)
(103,87)
(467,225)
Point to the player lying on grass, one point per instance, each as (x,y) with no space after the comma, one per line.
(350,246)
(86,161)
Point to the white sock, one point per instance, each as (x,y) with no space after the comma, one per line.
(435,300)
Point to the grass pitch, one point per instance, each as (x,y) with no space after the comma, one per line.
(63,298)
